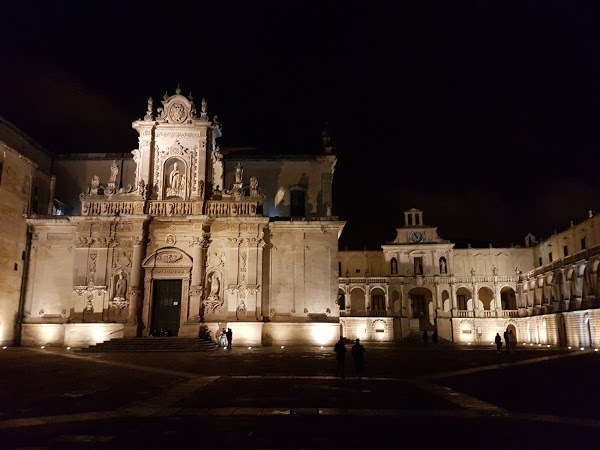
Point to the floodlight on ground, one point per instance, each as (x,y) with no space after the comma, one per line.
(249,348)
(282,346)
(539,345)
(569,348)
(4,348)
(548,345)
(468,343)
(43,347)
(594,349)
(582,349)
(321,347)
(531,345)
(68,348)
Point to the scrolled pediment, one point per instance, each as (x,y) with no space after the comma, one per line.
(168,257)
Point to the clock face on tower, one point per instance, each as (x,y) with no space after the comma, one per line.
(415,236)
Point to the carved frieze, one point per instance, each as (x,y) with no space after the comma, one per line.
(169,258)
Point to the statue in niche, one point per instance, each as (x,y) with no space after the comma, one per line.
(176,182)
(443,265)
(394,266)
(114,171)
(239,172)
(95,187)
(120,287)
(216,131)
(213,300)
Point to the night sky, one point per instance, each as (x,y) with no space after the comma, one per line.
(485,114)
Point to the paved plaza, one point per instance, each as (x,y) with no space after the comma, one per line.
(272,397)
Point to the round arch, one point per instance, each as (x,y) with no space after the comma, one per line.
(357,301)
(486,298)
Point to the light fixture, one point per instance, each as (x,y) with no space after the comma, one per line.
(569,348)
(548,345)
(282,346)
(321,347)
(3,348)
(43,347)
(249,348)
(68,348)
(582,349)
(594,349)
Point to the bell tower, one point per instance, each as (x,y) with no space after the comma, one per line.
(171,160)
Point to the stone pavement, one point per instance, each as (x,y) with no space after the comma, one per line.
(288,398)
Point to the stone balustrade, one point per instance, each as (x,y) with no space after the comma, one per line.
(229,208)
(174,208)
(111,208)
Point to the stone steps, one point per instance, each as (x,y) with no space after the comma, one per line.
(153,344)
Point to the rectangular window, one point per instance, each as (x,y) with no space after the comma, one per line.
(540,261)
(357,270)
(418,265)
(462,302)
(566,250)
(582,243)
(550,256)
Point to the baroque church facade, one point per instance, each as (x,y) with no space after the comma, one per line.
(185,236)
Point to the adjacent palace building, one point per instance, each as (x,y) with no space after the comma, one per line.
(181,235)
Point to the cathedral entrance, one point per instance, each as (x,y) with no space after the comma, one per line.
(166,306)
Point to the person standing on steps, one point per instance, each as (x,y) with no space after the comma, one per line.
(229,335)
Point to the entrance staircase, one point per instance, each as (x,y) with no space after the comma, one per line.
(153,344)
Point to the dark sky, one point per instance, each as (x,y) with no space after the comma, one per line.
(485,114)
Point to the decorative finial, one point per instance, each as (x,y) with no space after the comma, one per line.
(572,223)
(166,96)
(590,213)
(178,90)
(327,148)
(148,115)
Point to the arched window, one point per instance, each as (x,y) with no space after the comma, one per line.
(298,203)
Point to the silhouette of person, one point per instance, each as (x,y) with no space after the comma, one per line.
(223,338)
(434,337)
(498,341)
(506,339)
(229,335)
(358,354)
(340,356)
(425,337)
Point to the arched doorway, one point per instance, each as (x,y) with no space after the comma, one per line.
(378,302)
(508,298)
(486,298)
(357,302)
(421,307)
(511,327)
(464,299)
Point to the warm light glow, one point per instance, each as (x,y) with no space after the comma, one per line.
(321,347)
(43,347)
(282,346)
(594,349)
(581,349)
(569,348)
(68,348)
(531,345)
(4,348)
(548,345)
(249,348)
(539,345)
(468,343)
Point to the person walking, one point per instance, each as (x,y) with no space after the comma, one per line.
(498,341)
(340,356)
(229,335)
(358,355)
(506,340)
(434,337)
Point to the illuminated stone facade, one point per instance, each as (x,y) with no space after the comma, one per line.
(184,236)
(546,292)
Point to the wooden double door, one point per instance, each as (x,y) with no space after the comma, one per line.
(166,306)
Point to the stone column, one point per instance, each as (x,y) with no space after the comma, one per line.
(193,313)
(453,297)
(136,279)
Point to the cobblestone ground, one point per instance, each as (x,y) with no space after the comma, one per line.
(447,395)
